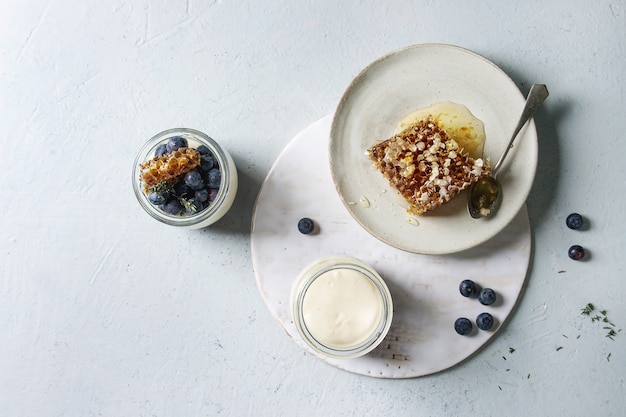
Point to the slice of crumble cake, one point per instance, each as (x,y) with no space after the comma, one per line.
(426,166)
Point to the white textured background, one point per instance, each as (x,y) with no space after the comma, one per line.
(104,311)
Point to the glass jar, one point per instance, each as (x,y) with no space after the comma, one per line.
(221,199)
(341,307)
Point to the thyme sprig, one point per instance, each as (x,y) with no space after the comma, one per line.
(588,309)
(162,187)
(189,205)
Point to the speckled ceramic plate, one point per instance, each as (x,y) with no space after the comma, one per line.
(424,288)
(369,111)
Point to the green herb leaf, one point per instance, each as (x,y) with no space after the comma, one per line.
(588,309)
(162,187)
(189,205)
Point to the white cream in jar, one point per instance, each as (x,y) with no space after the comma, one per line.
(341,307)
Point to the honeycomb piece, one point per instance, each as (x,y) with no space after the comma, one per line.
(426,166)
(169,165)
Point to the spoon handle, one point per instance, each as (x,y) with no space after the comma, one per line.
(537,94)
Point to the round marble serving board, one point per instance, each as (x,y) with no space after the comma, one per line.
(424,288)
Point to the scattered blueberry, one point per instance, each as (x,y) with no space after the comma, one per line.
(574,221)
(160,150)
(305,225)
(156,199)
(487,296)
(467,288)
(213,178)
(202,195)
(176,142)
(193,179)
(203,149)
(484,321)
(576,252)
(173,206)
(463,326)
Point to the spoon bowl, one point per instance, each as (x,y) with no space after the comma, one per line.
(485,195)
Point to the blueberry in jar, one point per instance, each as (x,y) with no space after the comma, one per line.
(574,221)
(463,326)
(173,206)
(180,188)
(213,193)
(306,225)
(193,180)
(203,149)
(487,296)
(213,178)
(467,288)
(176,142)
(160,150)
(202,195)
(484,321)
(156,198)
(207,161)
(576,252)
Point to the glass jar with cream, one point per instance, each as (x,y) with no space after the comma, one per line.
(341,307)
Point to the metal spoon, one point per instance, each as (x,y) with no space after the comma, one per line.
(485,195)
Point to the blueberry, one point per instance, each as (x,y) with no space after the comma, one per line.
(305,225)
(156,199)
(576,252)
(202,195)
(175,143)
(180,188)
(467,288)
(213,193)
(214,178)
(203,149)
(207,162)
(484,321)
(193,179)
(160,150)
(487,296)
(463,326)
(574,221)
(173,207)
